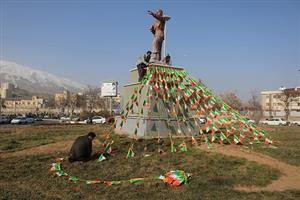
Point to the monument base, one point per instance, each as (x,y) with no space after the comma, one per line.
(152,121)
(155,127)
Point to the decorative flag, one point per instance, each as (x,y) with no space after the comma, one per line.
(55,167)
(255,141)
(60,173)
(222,136)
(194,141)
(236,139)
(242,137)
(92,182)
(73,179)
(227,133)
(130,153)
(214,129)
(108,149)
(181,87)
(268,141)
(213,137)
(135,180)
(101,158)
(173,148)
(176,178)
(110,183)
(183,147)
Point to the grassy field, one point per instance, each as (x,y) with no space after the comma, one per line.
(13,138)
(288,144)
(214,175)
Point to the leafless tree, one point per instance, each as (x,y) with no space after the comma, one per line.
(289,94)
(254,106)
(2,104)
(51,102)
(232,100)
(92,99)
(75,101)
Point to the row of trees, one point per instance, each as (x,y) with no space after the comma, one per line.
(87,102)
(254,106)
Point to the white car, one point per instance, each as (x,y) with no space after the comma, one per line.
(250,121)
(86,121)
(98,120)
(296,123)
(64,119)
(19,120)
(202,120)
(273,121)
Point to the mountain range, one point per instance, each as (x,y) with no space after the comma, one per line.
(35,81)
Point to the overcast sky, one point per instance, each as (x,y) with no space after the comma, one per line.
(231,45)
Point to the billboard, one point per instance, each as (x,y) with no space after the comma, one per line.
(109,89)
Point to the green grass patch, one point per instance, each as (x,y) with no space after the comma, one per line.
(288,138)
(13,138)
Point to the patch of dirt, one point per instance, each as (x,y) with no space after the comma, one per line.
(290,180)
(63,146)
(48,148)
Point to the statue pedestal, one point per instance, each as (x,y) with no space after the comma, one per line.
(153,122)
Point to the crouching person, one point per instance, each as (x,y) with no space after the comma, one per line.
(81,149)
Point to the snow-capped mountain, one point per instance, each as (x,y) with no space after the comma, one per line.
(35,81)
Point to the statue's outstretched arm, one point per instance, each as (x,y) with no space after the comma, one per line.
(166,18)
(155,15)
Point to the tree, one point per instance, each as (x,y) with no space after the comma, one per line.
(232,100)
(254,106)
(51,102)
(92,99)
(75,101)
(2,104)
(62,103)
(288,95)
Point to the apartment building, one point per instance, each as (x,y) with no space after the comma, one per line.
(274,103)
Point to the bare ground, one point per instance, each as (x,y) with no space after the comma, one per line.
(290,180)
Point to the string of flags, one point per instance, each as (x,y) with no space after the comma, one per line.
(174,178)
(186,98)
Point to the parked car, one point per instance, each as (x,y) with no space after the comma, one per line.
(74,120)
(29,120)
(46,117)
(98,120)
(202,120)
(19,120)
(4,119)
(64,119)
(86,121)
(250,121)
(274,121)
(296,123)
(38,119)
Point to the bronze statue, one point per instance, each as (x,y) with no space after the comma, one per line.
(158,30)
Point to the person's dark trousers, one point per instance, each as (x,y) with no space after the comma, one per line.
(141,70)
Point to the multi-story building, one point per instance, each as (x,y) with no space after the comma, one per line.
(6,90)
(62,98)
(274,103)
(34,103)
